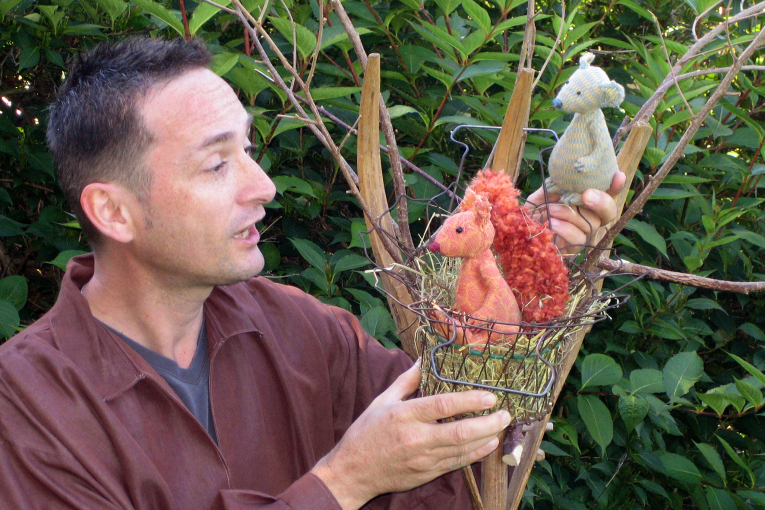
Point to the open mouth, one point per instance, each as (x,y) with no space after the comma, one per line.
(244,234)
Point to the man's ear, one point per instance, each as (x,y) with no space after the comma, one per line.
(111,208)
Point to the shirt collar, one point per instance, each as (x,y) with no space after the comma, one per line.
(107,361)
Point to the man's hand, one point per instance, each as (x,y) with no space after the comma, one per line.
(574,230)
(397,444)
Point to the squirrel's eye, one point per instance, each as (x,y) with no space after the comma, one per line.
(459,230)
(579,93)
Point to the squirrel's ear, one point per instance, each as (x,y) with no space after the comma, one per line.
(613,94)
(482,211)
(585,60)
(469,201)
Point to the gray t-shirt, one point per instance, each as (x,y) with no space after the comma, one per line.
(192,385)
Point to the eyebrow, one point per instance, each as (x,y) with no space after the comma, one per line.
(223,137)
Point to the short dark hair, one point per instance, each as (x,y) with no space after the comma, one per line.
(95,131)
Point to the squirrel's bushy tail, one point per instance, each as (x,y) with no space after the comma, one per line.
(532,265)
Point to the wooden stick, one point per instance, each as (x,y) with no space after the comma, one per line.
(494,478)
(628,160)
(372,188)
(507,150)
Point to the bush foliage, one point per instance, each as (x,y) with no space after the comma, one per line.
(664,406)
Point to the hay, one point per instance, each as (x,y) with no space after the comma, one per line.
(517,366)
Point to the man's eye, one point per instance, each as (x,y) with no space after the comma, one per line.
(219,167)
(250,150)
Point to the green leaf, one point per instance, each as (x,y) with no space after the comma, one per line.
(162,13)
(7,5)
(319,94)
(550,449)
(366,300)
(113,7)
(597,418)
(318,277)
(400,110)
(9,228)
(665,193)
(359,239)
(717,401)
(440,38)
(62,259)
(448,5)
(633,410)
(749,368)
(479,69)
(224,62)
(713,459)
(203,13)
(14,290)
(649,234)
(646,380)
(377,322)
(680,468)
(600,370)
(681,372)
(477,14)
(350,261)
(753,331)
(719,499)
(747,390)
(29,57)
(293,184)
(704,304)
(9,319)
(737,459)
(304,39)
(310,252)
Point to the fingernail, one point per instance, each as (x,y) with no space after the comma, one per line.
(489,399)
(505,418)
(418,363)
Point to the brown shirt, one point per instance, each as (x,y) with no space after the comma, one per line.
(85,422)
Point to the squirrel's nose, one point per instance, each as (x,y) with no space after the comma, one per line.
(434,247)
(557,103)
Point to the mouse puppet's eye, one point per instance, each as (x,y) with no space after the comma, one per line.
(579,93)
(459,230)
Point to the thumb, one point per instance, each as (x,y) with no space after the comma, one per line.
(404,385)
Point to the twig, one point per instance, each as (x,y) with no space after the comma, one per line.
(555,45)
(672,72)
(702,16)
(404,235)
(677,153)
(224,9)
(648,108)
(681,278)
(318,128)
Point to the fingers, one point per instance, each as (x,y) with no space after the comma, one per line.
(446,405)
(459,457)
(457,434)
(404,385)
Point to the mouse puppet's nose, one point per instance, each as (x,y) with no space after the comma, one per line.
(434,247)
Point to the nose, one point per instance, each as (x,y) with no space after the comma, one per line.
(557,103)
(255,184)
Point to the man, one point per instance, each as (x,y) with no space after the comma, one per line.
(166,376)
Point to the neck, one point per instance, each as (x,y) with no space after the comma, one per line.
(154,312)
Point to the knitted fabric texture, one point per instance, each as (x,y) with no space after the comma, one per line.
(584,156)
(481,291)
(532,265)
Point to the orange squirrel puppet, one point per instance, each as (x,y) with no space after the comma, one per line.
(535,283)
(481,291)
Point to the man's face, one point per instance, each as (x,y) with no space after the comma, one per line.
(207,194)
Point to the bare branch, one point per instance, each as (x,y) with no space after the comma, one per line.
(224,9)
(318,128)
(399,185)
(622,266)
(677,153)
(647,110)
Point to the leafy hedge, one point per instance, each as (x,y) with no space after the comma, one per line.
(664,407)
